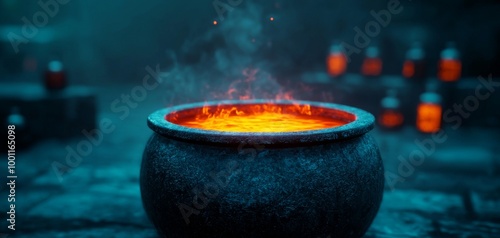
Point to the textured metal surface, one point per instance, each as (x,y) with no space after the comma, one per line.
(318,185)
(363,123)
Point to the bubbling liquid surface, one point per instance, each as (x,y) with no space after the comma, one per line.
(265,122)
(256,118)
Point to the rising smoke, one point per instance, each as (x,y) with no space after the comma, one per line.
(225,62)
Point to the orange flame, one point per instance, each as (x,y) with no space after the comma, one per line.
(247,89)
(260,117)
(266,117)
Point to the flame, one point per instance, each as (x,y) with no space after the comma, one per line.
(261,117)
(254,87)
(267,117)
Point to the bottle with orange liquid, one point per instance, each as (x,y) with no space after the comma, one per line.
(429,112)
(450,65)
(372,64)
(414,66)
(391,116)
(55,76)
(336,61)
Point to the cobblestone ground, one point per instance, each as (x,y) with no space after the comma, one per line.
(101,196)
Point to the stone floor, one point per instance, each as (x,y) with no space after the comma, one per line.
(443,197)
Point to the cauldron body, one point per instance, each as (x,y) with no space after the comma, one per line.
(197,183)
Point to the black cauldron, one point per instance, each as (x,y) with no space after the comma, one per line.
(319,183)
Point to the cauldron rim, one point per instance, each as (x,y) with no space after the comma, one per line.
(362,124)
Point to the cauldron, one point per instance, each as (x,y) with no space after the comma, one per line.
(310,183)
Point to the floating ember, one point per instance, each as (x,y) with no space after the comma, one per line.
(260,117)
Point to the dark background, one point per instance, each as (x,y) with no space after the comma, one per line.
(106,46)
(111,41)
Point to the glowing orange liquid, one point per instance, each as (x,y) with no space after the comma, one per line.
(429,117)
(391,119)
(449,70)
(337,64)
(264,122)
